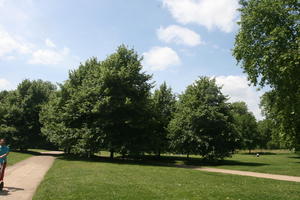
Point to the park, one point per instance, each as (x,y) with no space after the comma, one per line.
(118,126)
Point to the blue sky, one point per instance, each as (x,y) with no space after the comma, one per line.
(179,39)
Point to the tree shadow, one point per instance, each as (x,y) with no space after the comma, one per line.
(295,157)
(34,153)
(260,153)
(51,154)
(163,161)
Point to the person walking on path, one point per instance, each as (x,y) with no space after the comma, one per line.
(4,151)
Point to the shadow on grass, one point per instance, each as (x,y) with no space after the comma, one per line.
(261,153)
(163,161)
(36,153)
(295,157)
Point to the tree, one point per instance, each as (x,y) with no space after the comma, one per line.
(277,122)
(9,113)
(163,108)
(246,126)
(269,137)
(267,46)
(202,122)
(19,111)
(103,105)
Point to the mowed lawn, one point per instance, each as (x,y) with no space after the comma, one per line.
(273,162)
(85,180)
(286,163)
(15,156)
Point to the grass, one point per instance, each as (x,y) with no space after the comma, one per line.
(273,163)
(72,179)
(16,156)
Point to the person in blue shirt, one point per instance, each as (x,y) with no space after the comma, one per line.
(4,151)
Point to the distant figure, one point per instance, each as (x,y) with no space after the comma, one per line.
(4,151)
(257,155)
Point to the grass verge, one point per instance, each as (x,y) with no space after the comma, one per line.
(73,179)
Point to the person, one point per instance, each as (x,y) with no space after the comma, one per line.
(4,151)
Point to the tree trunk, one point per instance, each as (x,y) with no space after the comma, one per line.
(111,154)
(188,155)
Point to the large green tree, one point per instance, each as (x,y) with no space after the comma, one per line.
(267,47)
(103,105)
(269,136)
(276,119)
(203,123)
(246,126)
(163,101)
(19,113)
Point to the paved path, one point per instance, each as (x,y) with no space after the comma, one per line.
(22,179)
(246,173)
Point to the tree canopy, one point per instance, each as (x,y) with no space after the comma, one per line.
(163,108)
(103,104)
(19,113)
(202,123)
(246,126)
(267,47)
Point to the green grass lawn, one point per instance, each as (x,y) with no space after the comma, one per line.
(274,163)
(70,179)
(16,156)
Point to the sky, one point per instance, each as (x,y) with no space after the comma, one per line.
(180,40)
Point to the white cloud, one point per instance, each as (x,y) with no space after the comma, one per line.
(49,57)
(221,14)
(11,47)
(160,58)
(5,84)
(10,44)
(238,90)
(49,43)
(179,35)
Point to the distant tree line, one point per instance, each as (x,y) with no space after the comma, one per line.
(109,105)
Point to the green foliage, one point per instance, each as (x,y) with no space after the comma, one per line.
(102,105)
(285,124)
(246,125)
(202,123)
(267,46)
(163,108)
(269,135)
(19,113)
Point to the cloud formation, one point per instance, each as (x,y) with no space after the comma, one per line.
(10,44)
(178,35)
(5,84)
(238,90)
(160,58)
(220,14)
(49,57)
(11,47)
